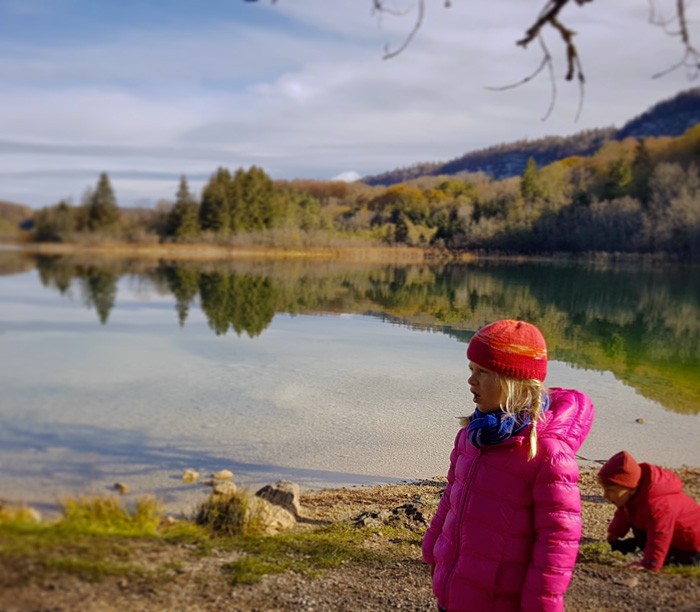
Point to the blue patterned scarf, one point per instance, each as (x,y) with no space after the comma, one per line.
(494,427)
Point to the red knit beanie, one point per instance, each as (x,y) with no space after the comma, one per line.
(621,469)
(512,348)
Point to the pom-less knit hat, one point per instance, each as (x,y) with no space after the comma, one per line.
(621,469)
(512,348)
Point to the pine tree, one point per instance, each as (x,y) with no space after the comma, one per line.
(101,208)
(261,200)
(215,211)
(620,179)
(642,169)
(183,220)
(530,187)
(239,212)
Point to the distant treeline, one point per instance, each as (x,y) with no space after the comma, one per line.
(633,196)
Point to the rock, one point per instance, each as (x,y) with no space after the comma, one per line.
(372,519)
(407,515)
(32,514)
(285,494)
(19,513)
(628,581)
(121,488)
(225,487)
(189,476)
(271,518)
(223,475)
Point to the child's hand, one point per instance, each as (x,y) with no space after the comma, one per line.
(637,566)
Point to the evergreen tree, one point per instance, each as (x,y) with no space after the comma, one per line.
(261,200)
(239,213)
(101,209)
(183,219)
(620,179)
(400,226)
(642,168)
(215,211)
(530,187)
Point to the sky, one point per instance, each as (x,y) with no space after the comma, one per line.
(148,90)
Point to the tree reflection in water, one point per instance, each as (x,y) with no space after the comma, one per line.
(641,324)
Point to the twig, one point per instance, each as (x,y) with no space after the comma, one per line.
(546,62)
(379,7)
(691,56)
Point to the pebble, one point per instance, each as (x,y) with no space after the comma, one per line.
(121,488)
(190,476)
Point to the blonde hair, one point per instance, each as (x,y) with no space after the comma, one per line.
(520,394)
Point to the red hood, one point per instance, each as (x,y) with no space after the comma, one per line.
(658,481)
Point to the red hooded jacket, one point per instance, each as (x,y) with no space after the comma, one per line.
(669,517)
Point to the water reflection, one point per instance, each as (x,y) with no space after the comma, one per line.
(641,324)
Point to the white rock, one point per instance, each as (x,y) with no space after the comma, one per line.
(223,475)
(190,476)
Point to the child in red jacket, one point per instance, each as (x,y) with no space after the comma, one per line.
(650,500)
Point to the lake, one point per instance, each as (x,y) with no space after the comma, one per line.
(326,373)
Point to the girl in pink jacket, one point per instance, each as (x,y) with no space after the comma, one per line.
(506,532)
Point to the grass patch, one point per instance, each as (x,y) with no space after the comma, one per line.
(107,515)
(96,537)
(308,552)
(600,553)
(687,571)
(90,570)
(100,536)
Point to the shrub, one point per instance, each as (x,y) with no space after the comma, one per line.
(230,514)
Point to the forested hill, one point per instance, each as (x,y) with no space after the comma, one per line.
(670,117)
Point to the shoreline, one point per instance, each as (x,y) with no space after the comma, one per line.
(359,253)
(376,564)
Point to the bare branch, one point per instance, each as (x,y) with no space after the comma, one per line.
(379,6)
(549,12)
(545,63)
(691,56)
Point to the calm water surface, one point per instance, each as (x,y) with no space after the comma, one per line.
(327,374)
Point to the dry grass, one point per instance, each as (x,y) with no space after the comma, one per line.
(199,251)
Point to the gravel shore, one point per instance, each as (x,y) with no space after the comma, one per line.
(200,583)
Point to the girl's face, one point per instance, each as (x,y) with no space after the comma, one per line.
(485,386)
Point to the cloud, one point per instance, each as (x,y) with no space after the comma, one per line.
(298,88)
(347,177)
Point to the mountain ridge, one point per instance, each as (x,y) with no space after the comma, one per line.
(669,117)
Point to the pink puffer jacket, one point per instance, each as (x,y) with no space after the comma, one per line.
(507,530)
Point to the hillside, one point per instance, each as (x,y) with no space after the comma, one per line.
(670,117)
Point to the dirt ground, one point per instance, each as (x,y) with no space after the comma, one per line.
(200,584)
